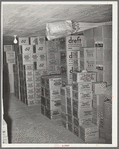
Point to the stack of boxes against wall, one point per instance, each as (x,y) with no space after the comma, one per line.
(9,61)
(50,96)
(30,65)
(97,42)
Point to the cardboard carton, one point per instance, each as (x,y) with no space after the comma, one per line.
(82,95)
(80,87)
(23,40)
(99,87)
(84,77)
(8,48)
(33,40)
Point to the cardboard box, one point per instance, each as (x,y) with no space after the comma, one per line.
(89,54)
(84,77)
(80,87)
(25,49)
(53,104)
(99,87)
(90,65)
(97,112)
(41,65)
(82,113)
(76,131)
(23,40)
(27,59)
(53,81)
(52,94)
(30,84)
(30,90)
(40,48)
(82,104)
(53,114)
(82,95)
(8,48)
(30,102)
(73,42)
(97,121)
(33,40)
(29,67)
(29,78)
(89,132)
(10,57)
(37,101)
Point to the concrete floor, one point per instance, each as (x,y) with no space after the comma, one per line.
(30,126)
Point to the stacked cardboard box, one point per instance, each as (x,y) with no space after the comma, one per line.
(64,107)
(99,43)
(30,65)
(53,60)
(72,59)
(69,107)
(9,61)
(50,96)
(106,130)
(82,98)
(89,132)
(4,132)
(98,89)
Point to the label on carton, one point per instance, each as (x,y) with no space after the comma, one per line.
(23,41)
(27,49)
(35,57)
(40,48)
(29,67)
(82,86)
(42,57)
(53,62)
(33,40)
(30,84)
(84,77)
(73,42)
(29,73)
(41,40)
(29,78)
(41,65)
(27,59)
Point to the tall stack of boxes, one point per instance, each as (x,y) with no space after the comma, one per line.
(64,107)
(50,96)
(69,107)
(82,98)
(99,50)
(98,89)
(53,59)
(9,61)
(72,59)
(31,63)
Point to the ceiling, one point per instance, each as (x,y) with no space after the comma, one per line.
(30,19)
